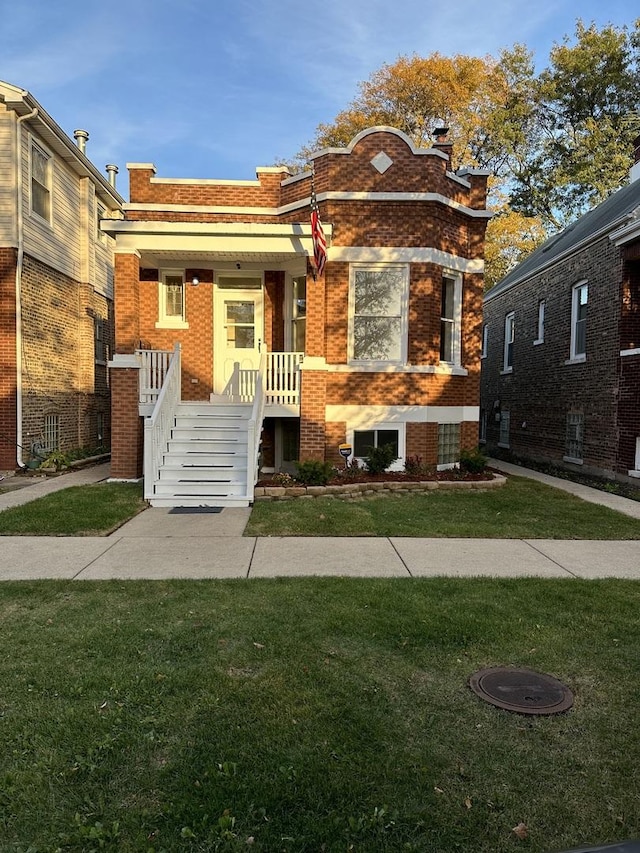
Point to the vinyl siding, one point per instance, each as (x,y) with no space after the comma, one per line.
(8,178)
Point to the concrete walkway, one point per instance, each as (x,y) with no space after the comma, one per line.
(178,543)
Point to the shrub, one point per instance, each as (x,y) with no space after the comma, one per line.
(380,458)
(473,461)
(283,479)
(314,472)
(417,467)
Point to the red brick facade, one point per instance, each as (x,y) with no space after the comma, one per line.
(413,213)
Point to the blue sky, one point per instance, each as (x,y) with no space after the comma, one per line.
(214,88)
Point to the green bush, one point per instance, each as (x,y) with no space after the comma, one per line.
(314,472)
(473,461)
(417,467)
(380,458)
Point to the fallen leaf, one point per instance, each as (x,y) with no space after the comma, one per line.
(468,803)
(438,790)
(520,831)
(259,645)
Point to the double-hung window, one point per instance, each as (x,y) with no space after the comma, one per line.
(579,300)
(41,165)
(298,312)
(574,437)
(540,331)
(378,311)
(509,336)
(171,313)
(450,319)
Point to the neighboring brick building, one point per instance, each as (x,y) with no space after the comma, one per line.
(561,346)
(383,347)
(56,286)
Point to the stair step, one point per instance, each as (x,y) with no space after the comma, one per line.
(199,473)
(231,501)
(209,434)
(197,409)
(170,488)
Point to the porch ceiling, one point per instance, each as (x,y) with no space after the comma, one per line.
(155,259)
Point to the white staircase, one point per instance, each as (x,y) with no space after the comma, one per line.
(205,459)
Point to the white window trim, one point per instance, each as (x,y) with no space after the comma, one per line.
(456,335)
(101,236)
(576,358)
(505,444)
(540,330)
(289,308)
(635,472)
(35,143)
(399,426)
(509,322)
(485,340)
(404,311)
(165,322)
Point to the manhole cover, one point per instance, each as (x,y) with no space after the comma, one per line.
(521,690)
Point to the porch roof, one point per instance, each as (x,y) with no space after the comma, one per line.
(205,242)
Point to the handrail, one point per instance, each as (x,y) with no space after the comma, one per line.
(254,427)
(158,426)
(153,369)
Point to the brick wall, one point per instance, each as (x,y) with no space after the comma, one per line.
(543,388)
(8,432)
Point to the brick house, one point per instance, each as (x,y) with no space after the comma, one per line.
(217,305)
(56,286)
(561,346)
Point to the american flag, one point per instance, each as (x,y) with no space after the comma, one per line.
(317,234)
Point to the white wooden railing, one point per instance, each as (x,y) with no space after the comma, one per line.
(154,364)
(254,427)
(157,427)
(283,378)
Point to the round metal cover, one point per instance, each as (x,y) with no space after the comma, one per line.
(521,690)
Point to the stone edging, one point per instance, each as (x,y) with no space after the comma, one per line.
(351,491)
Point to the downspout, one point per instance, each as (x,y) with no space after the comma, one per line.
(19,263)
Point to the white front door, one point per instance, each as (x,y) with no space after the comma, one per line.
(238,337)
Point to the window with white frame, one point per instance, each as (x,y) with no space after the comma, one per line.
(483,426)
(540,330)
(450,319)
(171,313)
(298,312)
(378,435)
(579,300)
(505,424)
(101,213)
(485,340)
(378,299)
(51,432)
(41,167)
(448,445)
(509,335)
(574,437)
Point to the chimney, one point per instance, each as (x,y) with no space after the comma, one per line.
(81,137)
(634,175)
(440,140)
(112,171)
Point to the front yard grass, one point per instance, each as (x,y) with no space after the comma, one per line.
(314,714)
(93,510)
(521,509)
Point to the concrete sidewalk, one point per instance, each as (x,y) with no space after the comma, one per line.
(177,543)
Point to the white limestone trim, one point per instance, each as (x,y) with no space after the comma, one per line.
(454,176)
(248,229)
(360,416)
(207,182)
(133,251)
(437,198)
(127,360)
(629,231)
(434,152)
(145,166)
(384,367)
(405,254)
(625,352)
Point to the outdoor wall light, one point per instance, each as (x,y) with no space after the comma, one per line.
(195,281)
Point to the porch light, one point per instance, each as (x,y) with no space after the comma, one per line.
(195,281)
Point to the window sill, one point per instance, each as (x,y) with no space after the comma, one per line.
(506,371)
(572,460)
(633,473)
(48,223)
(505,446)
(578,359)
(626,352)
(172,324)
(538,342)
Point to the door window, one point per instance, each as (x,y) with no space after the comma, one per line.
(239,324)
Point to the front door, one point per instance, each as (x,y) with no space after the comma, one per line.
(238,338)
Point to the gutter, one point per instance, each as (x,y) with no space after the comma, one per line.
(19,265)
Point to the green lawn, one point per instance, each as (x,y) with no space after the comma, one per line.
(313,714)
(93,510)
(521,509)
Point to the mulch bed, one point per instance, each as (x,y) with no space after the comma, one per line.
(393,477)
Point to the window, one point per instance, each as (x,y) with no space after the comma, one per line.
(40,182)
(483,427)
(101,343)
(575,437)
(509,334)
(579,301)
(450,311)
(101,213)
(448,445)
(540,334)
(365,439)
(100,428)
(51,432)
(298,313)
(505,423)
(485,340)
(171,314)
(378,296)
